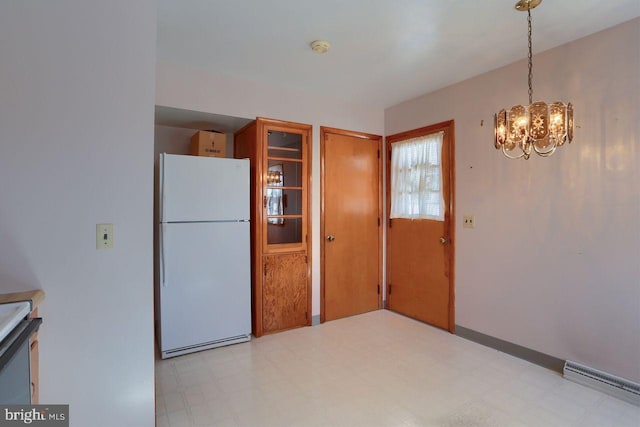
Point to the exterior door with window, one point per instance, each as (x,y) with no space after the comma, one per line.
(419,233)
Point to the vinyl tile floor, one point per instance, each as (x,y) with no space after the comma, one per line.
(375,369)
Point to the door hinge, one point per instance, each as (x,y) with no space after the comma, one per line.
(306,259)
(265,268)
(378,289)
(378,153)
(378,222)
(390,223)
(389,288)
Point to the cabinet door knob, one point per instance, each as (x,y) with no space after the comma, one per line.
(443,240)
(331,238)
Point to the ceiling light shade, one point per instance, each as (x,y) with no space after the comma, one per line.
(320,46)
(538,127)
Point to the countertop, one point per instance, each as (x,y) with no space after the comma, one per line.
(34,297)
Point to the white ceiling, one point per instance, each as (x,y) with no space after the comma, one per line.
(383,51)
(179,118)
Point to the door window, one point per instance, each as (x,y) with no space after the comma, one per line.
(416,178)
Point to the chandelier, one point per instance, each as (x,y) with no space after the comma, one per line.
(274,177)
(538,127)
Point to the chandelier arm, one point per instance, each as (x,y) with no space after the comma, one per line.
(545,153)
(504,151)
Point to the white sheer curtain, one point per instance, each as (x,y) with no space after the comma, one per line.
(416,178)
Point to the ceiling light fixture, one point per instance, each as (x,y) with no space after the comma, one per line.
(537,127)
(274,177)
(320,46)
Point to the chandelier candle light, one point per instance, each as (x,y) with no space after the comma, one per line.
(273,177)
(537,127)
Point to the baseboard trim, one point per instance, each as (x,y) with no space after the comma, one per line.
(516,350)
(315,320)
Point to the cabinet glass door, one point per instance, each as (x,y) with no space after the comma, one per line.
(285,188)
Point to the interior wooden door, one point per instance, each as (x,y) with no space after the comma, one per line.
(284,293)
(351,246)
(420,251)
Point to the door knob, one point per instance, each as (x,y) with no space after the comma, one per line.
(331,238)
(443,240)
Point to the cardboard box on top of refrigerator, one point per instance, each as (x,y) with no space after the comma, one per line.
(210,144)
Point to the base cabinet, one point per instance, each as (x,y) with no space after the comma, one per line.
(34,363)
(18,388)
(284,292)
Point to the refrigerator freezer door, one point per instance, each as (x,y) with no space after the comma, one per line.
(203,188)
(206,294)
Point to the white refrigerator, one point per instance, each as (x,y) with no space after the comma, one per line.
(204,283)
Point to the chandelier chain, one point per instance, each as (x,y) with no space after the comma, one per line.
(530,58)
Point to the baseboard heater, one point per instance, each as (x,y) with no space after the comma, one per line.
(205,346)
(602,381)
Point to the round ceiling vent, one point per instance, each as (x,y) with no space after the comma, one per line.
(320,46)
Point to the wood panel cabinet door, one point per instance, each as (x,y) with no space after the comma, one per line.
(35,372)
(284,292)
(34,363)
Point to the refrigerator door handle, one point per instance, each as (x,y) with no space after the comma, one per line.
(163,230)
(161,187)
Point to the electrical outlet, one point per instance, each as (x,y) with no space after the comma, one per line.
(469,221)
(104,236)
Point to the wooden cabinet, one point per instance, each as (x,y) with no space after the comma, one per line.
(35,372)
(284,292)
(34,297)
(280,223)
(34,363)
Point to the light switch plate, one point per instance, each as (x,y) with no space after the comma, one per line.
(104,236)
(469,221)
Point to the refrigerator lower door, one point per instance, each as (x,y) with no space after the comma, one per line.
(205,291)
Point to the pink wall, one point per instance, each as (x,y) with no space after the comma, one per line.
(554,261)
(77,80)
